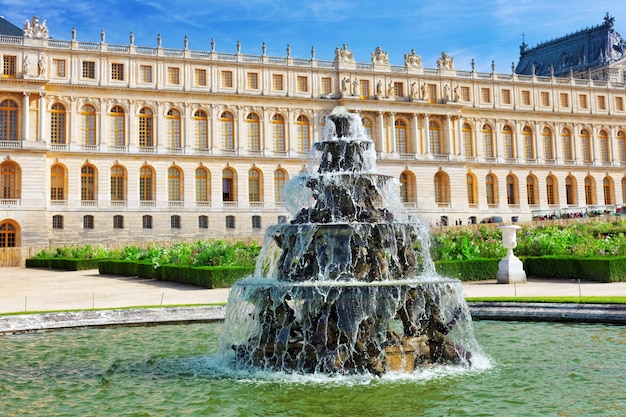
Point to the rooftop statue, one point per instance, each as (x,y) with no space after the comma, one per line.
(379,56)
(445,61)
(413,60)
(35,29)
(344,54)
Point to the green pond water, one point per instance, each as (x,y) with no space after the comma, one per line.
(537,369)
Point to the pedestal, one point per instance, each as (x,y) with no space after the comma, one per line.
(511,269)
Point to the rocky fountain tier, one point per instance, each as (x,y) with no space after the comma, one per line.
(348,285)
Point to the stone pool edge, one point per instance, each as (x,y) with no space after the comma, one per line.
(505,311)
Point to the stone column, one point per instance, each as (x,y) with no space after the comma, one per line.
(42,116)
(25,115)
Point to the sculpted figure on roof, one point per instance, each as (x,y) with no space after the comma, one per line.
(413,60)
(344,54)
(445,61)
(35,29)
(379,56)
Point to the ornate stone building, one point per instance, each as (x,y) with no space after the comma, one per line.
(103,143)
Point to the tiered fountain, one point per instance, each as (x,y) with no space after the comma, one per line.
(347,286)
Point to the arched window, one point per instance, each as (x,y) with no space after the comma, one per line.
(436,139)
(146,128)
(228,185)
(488,142)
(278,133)
(442,188)
(590,191)
(491,189)
(304,134)
(88,125)
(603,139)
(551,190)
(509,144)
(254,134)
(511,190)
(568,152)
(228,131)
(118,183)
(88,183)
(255,191)
(570,190)
(401,136)
(607,187)
(621,146)
(468,141)
(118,126)
(58,183)
(8,120)
(585,141)
(174,184)
(368,126)
(174,129)
(529,143)
(146,184)
(531,190)
(202,184)
(280,179)
(58,124)
(548,146)
(10,180)
(201,130)
(472,190)
(9,234)
(407,187)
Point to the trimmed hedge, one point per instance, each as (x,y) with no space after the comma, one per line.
(469,270)
(609,269)
(63,263)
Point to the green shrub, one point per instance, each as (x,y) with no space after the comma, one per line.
(469,270)
(607,269)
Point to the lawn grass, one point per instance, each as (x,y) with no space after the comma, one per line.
(569,299)
(21,313)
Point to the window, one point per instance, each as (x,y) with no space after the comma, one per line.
(117,71)
(175,221)
(621,146)
(88,222)
(228,134)
(254,185)
(202,184)
(582,101)
(548,146)
(485,95)
(603,139)
(118,183)
(545,98)
(491,190)
(89,70)
(256,222)
(145,73)
(57,182)
(590,192)
(253,80)
(327,85)
(277,82)
(506,96)
(174,184)
(88,125)
(367,125)
(365,89)
(585,140)
(465,94)
(436,138)
(203,222)
(88,183)
(488,142)
(118,221)
(174,129)
(200,77)
(398,88)
(146,221)
(230,222)
(468,141)
(146,184)
(254,136)
(607,187)
(619,103)
(57,221)
(526,97)
(303,134)
(10,180)
(407,187)
(201,129)
(303,84)
(511,190)
(568,154)
(570,190)
(228,185)
(280,180)
(564,98)
(531,190)
(551,191)
(472,191)
(602,102)
(8,120)
(58,124)
(442,188)
(9,235)
(173,75)
(432,93)
(509,144)
(117,128)
(58,66)
(278,133)
(146,132)
(227,79)
(401,136)
(9,66)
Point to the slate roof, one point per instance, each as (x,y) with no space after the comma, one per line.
(577,52)
(8,28)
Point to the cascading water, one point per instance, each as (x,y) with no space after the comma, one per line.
(348,285)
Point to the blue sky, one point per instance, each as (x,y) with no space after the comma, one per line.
(483,30)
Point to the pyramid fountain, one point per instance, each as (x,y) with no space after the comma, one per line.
(348,286)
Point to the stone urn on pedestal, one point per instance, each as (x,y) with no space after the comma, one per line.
(510,268)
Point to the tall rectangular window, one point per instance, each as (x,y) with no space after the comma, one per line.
(277,82)
(303,84)
(8,65)
(582,101)
(145,73)
(200,77)
(89,70)
(327,85)
(564,97)
(602,102)
(465,93)
(253,80)
(432,93)
(619,103)
(58,66)
(173,75)
(399,89)
(485,95)
(117,71)
(227,79)
(365,89)
(506,96)
(526,97)
(545,98)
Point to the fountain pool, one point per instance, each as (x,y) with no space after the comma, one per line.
(538,369)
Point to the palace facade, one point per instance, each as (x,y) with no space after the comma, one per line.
(103,143)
